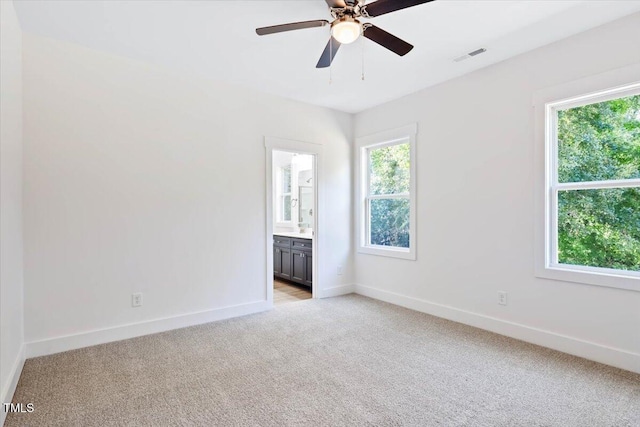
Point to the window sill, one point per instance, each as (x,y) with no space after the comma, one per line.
(609,278)
(390,252)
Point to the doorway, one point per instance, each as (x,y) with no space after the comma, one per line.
(292,221)
(293,212)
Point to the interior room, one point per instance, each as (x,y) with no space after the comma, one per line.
(324,212)
(293,224)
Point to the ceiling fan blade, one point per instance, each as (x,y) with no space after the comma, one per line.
(336,3)
(387,40)
(381,7)
(329,53)
(290,27)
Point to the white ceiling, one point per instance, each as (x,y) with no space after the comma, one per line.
(217,39)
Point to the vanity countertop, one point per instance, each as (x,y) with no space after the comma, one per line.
(294,235)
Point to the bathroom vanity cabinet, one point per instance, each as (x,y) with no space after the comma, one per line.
(293,259)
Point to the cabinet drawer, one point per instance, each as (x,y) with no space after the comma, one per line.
(284,242)
(301,244)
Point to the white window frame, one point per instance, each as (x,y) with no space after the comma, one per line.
(280,197)
(547,103)
(280,221)
(406,134)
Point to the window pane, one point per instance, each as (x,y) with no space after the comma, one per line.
(286,208)
(389,222)
(600,141)
(600,228)
(389,169)
(286,179)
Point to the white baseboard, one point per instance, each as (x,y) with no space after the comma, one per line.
(117,333)
(566,344)
(338,290)
(9,388)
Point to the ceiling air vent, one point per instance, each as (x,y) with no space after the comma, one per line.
(470,54)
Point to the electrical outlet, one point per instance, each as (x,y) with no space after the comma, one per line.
(339,270)
(136,299)
(502,298)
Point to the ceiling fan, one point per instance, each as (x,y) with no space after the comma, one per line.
(346,28)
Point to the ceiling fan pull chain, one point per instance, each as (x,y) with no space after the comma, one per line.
(330,57)
(362,44)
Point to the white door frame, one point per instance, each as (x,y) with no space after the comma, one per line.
(277,144)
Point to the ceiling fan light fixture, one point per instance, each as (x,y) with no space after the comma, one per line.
(346,30)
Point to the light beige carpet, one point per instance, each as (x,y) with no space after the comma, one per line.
(340,361)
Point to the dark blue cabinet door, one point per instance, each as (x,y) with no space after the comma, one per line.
(298,266)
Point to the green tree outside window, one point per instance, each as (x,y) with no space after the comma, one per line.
(389,178)
(600,142)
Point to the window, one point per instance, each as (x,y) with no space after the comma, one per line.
(387,193)
(284,194)
(593,187)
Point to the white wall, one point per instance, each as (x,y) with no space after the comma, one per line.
(11,280)
(475,202)
(141,180)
